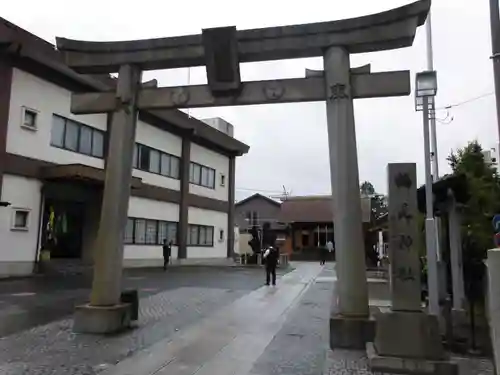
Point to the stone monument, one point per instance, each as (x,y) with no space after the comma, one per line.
(407,339)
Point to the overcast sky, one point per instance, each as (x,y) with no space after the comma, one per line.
(288,142)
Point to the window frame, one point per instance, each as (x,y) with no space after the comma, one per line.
(137,157)
(158,241)
(199,229)
(79,126)
(14,212)
(202,167)
(34,112)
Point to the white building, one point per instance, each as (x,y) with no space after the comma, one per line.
(52,169)
(491,157)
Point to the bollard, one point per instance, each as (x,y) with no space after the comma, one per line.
(131,297)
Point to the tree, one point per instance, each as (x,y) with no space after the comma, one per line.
(378,203)
(483,185)
(379,207)
(367,188)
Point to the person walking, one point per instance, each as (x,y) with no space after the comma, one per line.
(330,248)
(323,252)
(167,251)
(271,256)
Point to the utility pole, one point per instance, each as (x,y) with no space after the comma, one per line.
(495,49)
(432,111)
(432,224)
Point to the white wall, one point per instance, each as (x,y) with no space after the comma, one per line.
(161,140)
(46,98)
(212,218)
(150,209)
(19,246)
(220,163)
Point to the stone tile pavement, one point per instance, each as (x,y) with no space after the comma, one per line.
(230,341)
(53,349)
(193,329)
(26,303)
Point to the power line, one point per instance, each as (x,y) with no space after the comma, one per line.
(466,101)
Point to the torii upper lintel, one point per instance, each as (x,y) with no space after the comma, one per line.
(391,29)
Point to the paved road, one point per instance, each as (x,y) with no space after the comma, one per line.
(26,303)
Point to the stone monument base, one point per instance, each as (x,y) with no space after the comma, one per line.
(351,333)
(399,365)
(102,319)
(408,334)
(409,343)
(459,318)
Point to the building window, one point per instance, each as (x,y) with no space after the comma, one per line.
(221,235)
(129,231)
(29,118)
(200,235)
(167,231)
(151,160)
(149,232)
(222,180)
(74,136)
(255,218)
(20,219)
(201,175)
(140,231)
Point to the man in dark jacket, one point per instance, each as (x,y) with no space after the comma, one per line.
(271,256)
(167,251)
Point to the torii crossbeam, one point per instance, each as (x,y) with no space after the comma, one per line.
(222,50)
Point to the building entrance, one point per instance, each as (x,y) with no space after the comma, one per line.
(62,227)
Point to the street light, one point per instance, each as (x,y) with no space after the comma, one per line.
(425,91)
(4,204)
(426,85)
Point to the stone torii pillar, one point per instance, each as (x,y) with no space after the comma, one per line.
(350,323)
(221,50)
(105,313)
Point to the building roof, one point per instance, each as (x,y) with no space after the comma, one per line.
(307,209)
(24,47)
(457,183)
(257,196)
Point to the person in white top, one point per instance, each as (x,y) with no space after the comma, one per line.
(329,246)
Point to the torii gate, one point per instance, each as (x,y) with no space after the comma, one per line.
(221,50)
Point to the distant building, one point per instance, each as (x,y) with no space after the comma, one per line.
(491,157)
(257,210)
(309,220)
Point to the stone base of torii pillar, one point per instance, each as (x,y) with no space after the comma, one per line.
(407,340)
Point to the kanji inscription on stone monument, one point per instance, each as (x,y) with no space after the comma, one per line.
(403,253)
